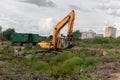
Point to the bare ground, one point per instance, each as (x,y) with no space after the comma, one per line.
(107,70)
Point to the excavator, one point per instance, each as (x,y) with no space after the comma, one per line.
(61,42)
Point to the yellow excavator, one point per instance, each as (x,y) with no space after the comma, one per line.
(61,42)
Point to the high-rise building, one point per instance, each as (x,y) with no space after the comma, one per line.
(110,32)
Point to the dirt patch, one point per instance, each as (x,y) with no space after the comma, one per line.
(115,76)
(40,76)
(76,48)
(105,70)
(19,73)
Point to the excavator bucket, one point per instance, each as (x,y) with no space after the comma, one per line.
(45,45)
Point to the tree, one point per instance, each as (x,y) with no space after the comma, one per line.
(0,33)
(0,29)
(76,34)
(7,33)
(50,37)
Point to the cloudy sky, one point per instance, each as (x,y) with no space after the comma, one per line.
(41,16)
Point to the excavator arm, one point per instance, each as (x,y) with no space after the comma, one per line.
(55,44)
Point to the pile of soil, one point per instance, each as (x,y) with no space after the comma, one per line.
(106,70)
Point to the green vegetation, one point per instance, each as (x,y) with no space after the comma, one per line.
(40,67)
(8,49)
(4,57)
(65,65)
(100,42)
(6,35)
(76,34)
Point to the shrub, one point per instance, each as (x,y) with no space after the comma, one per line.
(113,56)
(61,58)
(117,40)
(69,65)
(29,61)
(90,61)
(8,49)
(100,40)
(36,65)
(40,67)
(4,57)
(7,33)
(84,53)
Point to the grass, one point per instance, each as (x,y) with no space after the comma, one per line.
(113,56)
(4,57)
(40,67)
(8,49)
(61,58)
(67,63)
(71,62)
(106,43)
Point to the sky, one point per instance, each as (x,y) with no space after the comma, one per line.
(41,16)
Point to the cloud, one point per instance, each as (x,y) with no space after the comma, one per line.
(74,7)
(81,8)
(113,12)
(42,3)
(46,26)
(111,7)
(25,16)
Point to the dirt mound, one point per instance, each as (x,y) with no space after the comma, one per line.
(105,70)
(115,76)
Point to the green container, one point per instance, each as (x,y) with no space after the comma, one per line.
(19,37)
(35,37)
(25,38)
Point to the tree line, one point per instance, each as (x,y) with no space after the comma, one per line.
(6,35)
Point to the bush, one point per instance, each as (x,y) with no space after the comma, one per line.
(61,58)
(84,53)
(100,40)
(90,61)
(7,33)
(8,49)
(28,49)
(29,61)
(117,40)
(113,56)
(4,57)
(40,67)
(76,34)
(69,65)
